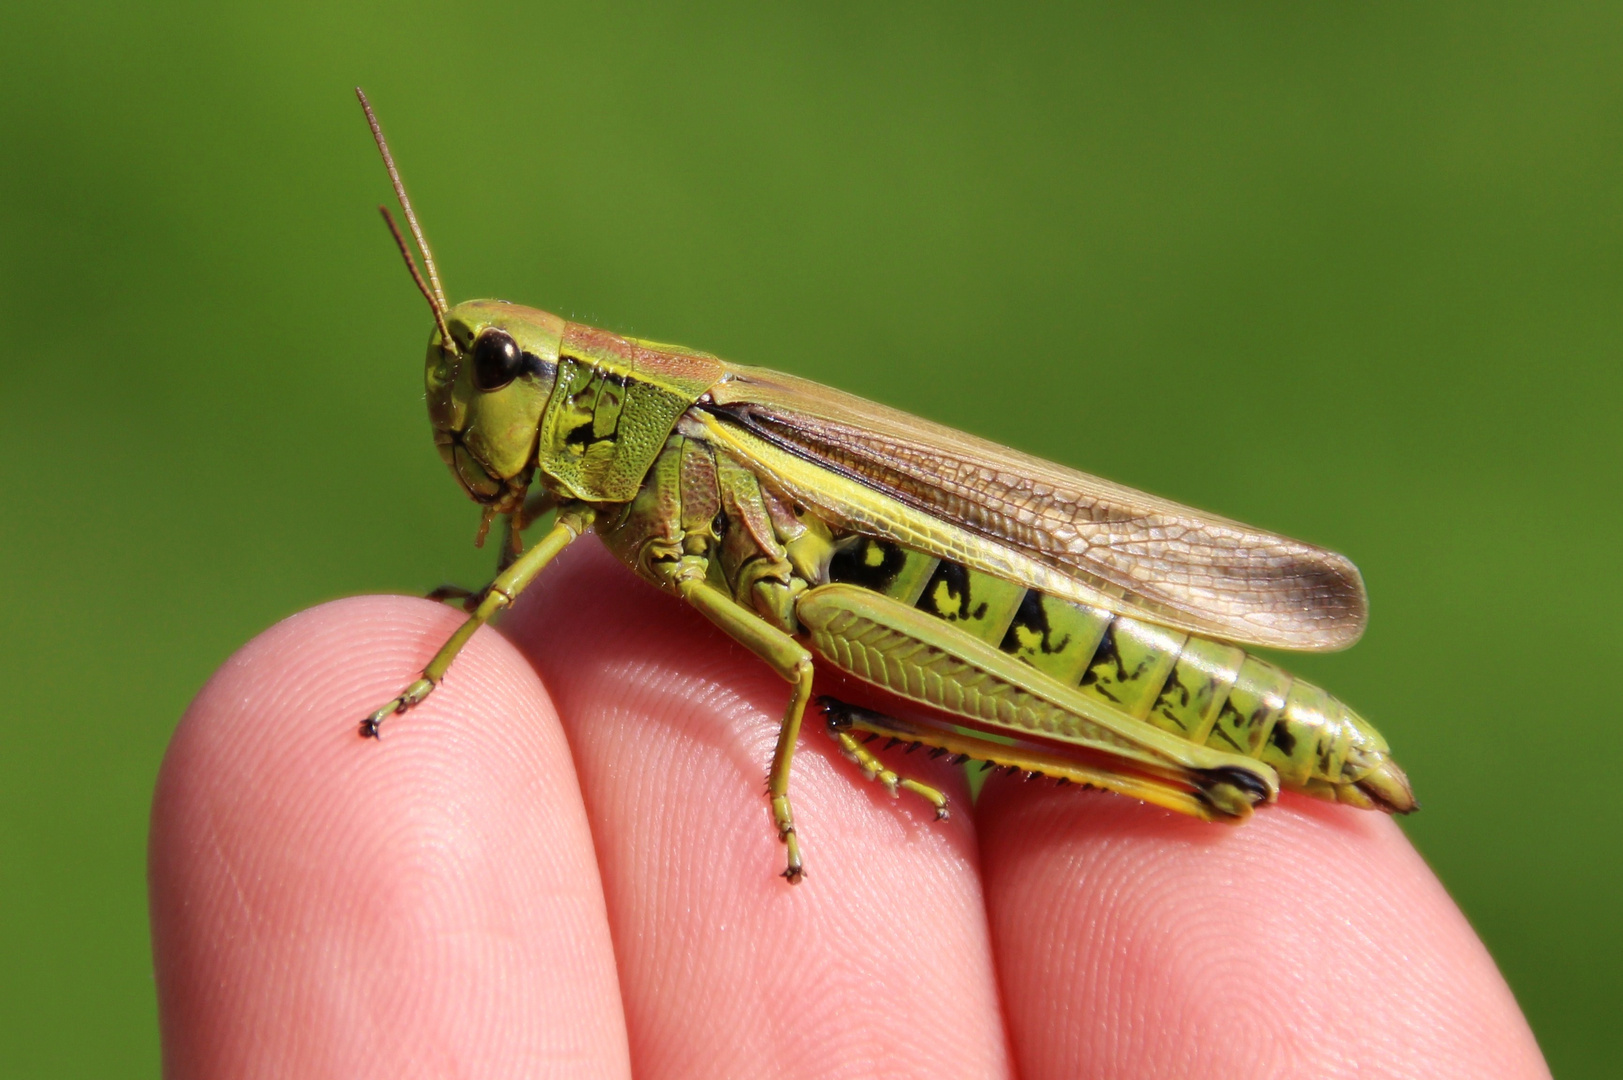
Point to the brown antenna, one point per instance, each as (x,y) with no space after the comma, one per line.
(405,253)
(437,299)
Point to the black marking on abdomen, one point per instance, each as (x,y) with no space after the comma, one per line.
(1176,695)
(856,564)
(1104,655)
(1175,690)
(946,595)
(1034,620)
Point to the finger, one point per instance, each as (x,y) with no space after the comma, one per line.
(1312,941)
(328,906)
(876,964)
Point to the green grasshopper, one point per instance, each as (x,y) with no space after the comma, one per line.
(1050,622)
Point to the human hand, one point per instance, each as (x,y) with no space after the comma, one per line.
(583,883)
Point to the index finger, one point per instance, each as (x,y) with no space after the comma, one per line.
(328,906)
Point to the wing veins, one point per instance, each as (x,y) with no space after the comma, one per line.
(1225,578)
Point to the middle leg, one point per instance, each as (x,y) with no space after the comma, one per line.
(790,660)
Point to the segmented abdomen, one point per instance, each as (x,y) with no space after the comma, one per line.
(1206,691)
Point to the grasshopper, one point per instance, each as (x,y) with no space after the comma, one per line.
(1049,621)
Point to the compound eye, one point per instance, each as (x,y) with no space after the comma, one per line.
(497,360)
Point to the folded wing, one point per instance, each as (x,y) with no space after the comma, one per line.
(1145,555)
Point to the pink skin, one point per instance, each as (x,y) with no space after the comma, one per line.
(581,883)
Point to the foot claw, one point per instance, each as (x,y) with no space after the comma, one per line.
(371,727)
(794,870)
(413,695)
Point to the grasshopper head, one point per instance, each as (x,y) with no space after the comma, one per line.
(490,370)
(486,394)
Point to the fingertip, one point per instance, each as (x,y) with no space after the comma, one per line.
(1311,940)
(324,904)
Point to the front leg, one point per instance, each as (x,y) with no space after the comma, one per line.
(572,521)
(534,508)
(513,526)
(790,660)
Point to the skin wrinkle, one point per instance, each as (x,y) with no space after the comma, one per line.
(217,848)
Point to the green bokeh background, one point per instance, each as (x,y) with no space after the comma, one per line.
(1352,272)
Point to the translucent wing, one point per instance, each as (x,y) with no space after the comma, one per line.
(1145,555)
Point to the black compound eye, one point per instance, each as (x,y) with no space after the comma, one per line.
(496,360)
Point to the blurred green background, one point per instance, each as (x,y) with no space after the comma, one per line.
(1352,272)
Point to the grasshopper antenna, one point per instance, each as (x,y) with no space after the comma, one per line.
(436,298)
(422,286)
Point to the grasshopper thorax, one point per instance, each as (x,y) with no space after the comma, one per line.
(486,394)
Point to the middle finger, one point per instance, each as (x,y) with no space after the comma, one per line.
(876,963)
